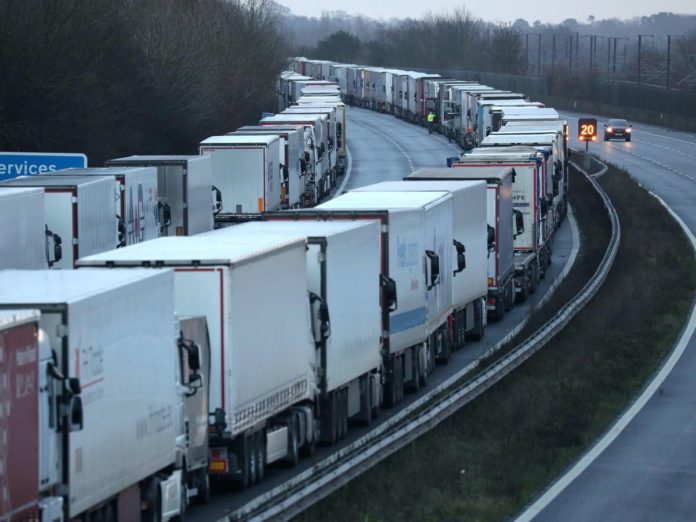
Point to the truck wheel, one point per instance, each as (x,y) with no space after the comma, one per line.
(153,497)
(535,278)
(344,413)
(261,456)
(499,307)
(293,450)
(203,496)
(367,400)
(245,464)
(414,385)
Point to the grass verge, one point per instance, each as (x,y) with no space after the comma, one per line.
(491,458)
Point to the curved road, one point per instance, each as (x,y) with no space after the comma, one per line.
(648,472)
(385,148)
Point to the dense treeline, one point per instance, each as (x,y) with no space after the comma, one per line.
(454,39)
(457,40)
(115,77)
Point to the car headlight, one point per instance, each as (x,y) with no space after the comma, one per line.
(609,129)
(628,130)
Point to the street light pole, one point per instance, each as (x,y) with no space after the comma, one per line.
(539,55)
(526,54)
(640,37)
(669,49)
(553,55)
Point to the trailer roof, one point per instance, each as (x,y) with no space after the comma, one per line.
(55,181)
(10,192)
(11,318)
(154,159)
(382,200)
(498,105)
(291,118)
(260,139)
(185,251)
(505,149)
(101,171)
(279,224)
(529,111)
(420,185)
(532,127)
(488,173)
(269,128)
(494,139)
(47,287)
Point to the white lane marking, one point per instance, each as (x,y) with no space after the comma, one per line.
(532,511)
(346,177)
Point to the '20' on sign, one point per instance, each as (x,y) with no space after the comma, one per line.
(587,129)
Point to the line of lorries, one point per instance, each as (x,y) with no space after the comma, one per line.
(183,350)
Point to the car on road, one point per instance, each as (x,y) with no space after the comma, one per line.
(617,129)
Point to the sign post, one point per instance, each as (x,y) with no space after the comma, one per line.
(15,164)
(587,132)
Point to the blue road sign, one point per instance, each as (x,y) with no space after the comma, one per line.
(14,164)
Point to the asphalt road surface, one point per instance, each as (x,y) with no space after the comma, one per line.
(648,472)
(385,148)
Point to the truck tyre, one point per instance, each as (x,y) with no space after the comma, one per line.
(183,497)
(414,386)
(293,456)
(535,278)
(499,307)
(245,459)
(261,456)
(344,413)
(367,400)
(203,496)
(154,497)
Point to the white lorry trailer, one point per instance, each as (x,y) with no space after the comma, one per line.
(135,194)
(292,158)
(532,199)
(79,210)
(329,139)
(413,259)
(24,238)
(317,162)
(341,121)
(469,272)
(254,296)
(489,113)
(554,134)
(343,267)
(184,192)
(500,217)
(111,441)
(247,171)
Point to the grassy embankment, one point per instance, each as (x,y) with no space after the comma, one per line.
(491,458)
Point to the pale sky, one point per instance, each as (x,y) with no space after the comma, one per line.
(548,11)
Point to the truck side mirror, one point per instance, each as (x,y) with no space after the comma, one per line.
(519,222)
(434,268)
(121,224)
(57,247)
(461,256)
(389,287)
(217,200)
(75,414)
(303,165)
(514,175)
(193,352)
(72,386)
(195,381)
(165,215)
(321,324)
(491,238)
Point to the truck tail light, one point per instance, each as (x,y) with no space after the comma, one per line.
(217,463)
